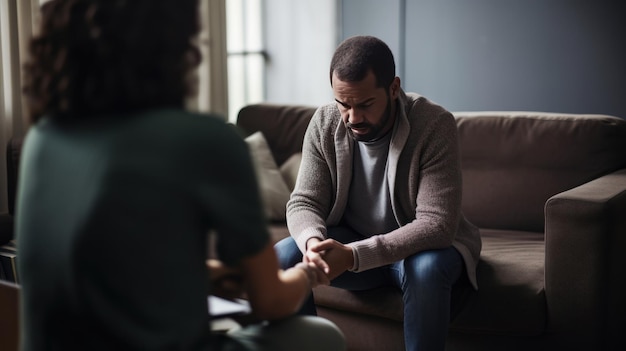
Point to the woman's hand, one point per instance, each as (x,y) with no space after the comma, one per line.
(314,273)
(226,282)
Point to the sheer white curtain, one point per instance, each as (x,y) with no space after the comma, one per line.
(18,21)
(212,93)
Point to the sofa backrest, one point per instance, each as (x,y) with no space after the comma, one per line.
(514,161)
(282,125)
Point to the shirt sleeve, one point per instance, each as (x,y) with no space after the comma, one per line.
(230,195)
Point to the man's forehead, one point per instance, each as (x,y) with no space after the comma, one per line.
(356,93)
(354,101)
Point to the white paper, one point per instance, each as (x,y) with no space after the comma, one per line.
(222,307)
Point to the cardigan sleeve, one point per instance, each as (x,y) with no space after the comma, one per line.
(311,199)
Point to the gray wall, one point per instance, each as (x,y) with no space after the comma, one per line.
(471,55)
(300,38)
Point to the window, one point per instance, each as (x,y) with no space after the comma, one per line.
(246,54)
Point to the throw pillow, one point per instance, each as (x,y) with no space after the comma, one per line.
(290,168)
(274,191)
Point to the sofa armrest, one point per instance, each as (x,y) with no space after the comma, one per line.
(585,269)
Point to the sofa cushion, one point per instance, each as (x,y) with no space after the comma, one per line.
(384,302)
(272,186)
(289,170)
(511,296)
(512,162)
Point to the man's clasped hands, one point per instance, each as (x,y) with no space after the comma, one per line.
(323,261)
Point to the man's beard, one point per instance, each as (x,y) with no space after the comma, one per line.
(375,130)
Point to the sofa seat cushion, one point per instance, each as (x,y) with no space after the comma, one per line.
(510,297)
(385,302)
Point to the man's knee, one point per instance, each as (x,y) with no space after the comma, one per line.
(434,265)
(288,253)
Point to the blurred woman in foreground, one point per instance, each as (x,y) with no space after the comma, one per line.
(119,186)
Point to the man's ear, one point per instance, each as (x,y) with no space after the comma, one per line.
(394,88)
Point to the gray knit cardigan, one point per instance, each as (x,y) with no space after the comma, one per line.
(424,179)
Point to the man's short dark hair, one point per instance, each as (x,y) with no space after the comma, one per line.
(96,57)
(355,56)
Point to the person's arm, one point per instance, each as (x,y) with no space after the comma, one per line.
(312,198)
(234,207)
(226,282)
(275,293)
(311,201)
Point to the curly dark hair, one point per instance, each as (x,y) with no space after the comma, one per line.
(355,56)
(94,57)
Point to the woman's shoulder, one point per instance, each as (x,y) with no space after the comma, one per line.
(183,117)
(189,125)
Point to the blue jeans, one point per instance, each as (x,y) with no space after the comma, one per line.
(425,278)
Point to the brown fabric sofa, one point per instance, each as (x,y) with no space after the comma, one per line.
(548,192)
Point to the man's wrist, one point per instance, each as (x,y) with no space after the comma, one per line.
(311,241)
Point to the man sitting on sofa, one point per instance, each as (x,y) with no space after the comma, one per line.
(378,196)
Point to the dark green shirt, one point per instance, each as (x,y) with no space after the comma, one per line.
(112,223)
